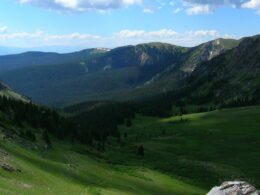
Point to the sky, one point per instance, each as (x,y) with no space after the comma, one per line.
(77,24)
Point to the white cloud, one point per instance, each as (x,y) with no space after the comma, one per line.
(194,7)
(252,4)
(189,38)
(40,38)
(163,33)
(177,10)
(146,34)
(130,34)
(215,3)
(200,33)
(148,10)
(172,3)
(3,29)
(70,4)
(81,5)
(199,9)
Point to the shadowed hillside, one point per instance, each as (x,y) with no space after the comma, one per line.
(145,70)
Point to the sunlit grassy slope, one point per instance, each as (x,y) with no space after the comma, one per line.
(14,95)
(63,171)
(186,156)
(204,149)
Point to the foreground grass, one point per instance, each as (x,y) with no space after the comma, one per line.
(181,156)
(63,171)
(204,149)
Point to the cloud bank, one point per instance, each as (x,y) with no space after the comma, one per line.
(123,37)
(195,7)
(252,4)
(192,7)
(3,29)
(81,5)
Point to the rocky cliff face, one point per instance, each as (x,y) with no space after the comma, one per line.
(206,52)
(234,188)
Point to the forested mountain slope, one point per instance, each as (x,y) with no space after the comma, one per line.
(123,73)
(34,58)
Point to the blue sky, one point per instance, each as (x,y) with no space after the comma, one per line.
(109,23)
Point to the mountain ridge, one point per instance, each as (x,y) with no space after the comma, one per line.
(155,67)
(38,58)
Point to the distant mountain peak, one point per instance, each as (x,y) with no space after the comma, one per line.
(103,49)
(206,52)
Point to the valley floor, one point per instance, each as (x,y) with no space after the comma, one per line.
(204,149)
(64,171)
(182,156)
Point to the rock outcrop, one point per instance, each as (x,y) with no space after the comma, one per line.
(234,188)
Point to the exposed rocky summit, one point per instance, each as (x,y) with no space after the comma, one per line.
(234,188)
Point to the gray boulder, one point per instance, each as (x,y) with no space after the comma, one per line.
(234,188)
(7,167)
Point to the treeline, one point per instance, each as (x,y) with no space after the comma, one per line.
(24,114)
(180,101)
(93,122)
(98,120)
(102,121)
(86,127)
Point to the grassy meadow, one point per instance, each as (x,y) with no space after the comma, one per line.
(61,170)
(182,155)
(204,149)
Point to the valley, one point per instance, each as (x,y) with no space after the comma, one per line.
(147,119)
(129,97)
(179,157)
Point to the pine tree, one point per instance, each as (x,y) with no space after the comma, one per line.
(140,150)
(46,138)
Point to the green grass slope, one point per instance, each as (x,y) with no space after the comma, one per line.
(7,92)
(185,155)
(62,171)
(204,149)
(70,169)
